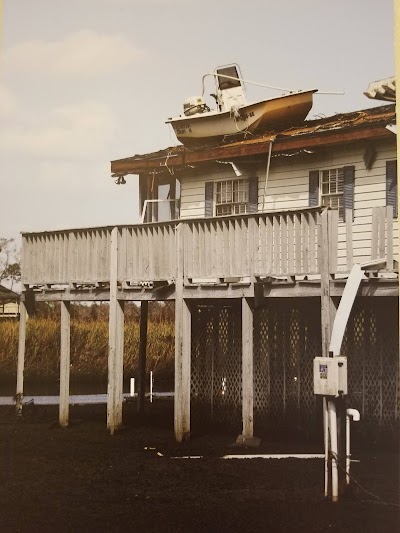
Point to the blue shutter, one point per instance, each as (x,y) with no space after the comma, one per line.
(348,190)
(253,195)
(313,188)
(209,200)
(391,185)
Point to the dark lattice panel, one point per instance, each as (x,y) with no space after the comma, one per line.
(371,346)
(286,339)
(216,371)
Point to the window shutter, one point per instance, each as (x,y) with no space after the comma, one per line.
(391,185)
(209,200)
(253,195)
(348,190)
(313,188)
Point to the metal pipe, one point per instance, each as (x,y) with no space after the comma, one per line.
(151,386)
(260,84)
(271,142)
(334,449)
(132,391)
(355,415)
(326,444)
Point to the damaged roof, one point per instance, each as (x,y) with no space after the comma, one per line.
(338,129)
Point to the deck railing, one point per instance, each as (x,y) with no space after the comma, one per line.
(244,247)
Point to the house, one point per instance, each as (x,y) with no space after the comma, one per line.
(254,240)
(9,303)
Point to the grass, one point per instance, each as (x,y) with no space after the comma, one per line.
(89,349)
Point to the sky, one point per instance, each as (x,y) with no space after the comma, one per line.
(84,82)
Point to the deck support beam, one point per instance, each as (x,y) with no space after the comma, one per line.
(116,344)
(65,350)
(144,307)
(183,326)
(247,369)
(23,317)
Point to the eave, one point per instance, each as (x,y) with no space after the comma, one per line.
(323,134)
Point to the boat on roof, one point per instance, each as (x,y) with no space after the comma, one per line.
(233,117)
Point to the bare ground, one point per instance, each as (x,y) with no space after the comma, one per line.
(82,479)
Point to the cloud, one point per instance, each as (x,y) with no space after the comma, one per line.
(72,131)
(8,102)
(85,53)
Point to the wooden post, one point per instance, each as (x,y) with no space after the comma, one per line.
(23,316)
(142,356)
(64,363)
(323,254)
(116,343)
(247,368)
(182,347)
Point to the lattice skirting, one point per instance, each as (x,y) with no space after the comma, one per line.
(287,336)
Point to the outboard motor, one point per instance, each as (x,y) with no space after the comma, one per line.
(194,105)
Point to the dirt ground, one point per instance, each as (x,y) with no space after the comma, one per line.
(82,479)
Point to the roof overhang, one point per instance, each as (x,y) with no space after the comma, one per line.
(341,129)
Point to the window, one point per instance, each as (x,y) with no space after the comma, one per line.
(231,197)
(332,189)
(391,185)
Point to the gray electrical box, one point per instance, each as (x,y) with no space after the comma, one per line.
(330,376)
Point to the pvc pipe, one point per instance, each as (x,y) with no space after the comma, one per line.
(355,415)
(334,449)
(151,386)
(326,444)
(132,393)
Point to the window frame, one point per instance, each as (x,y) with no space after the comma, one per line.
(339,195)
(232,203)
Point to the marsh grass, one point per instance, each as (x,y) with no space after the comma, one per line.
(89,349)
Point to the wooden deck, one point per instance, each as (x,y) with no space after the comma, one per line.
(221,257)
(248,257)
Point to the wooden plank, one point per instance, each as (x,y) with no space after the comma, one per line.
(333,221)
(382,215)
(284,243)
(297,239)
(323,253)
(277,248)
(389,238)
(304,243)
(374,235)
(290,244)
(231,248)
(270,246)
(312,243)
(263,245)
(349,239)
(65,350)
(247,369)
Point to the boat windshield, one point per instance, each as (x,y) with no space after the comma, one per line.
(226,83)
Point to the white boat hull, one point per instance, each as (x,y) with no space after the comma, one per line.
(253,118)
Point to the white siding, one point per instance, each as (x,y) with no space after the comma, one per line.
(288,189)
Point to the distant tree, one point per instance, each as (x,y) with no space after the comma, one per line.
(10,265)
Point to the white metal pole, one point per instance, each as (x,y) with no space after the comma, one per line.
(326,444)
(151,386)
(132,387)
(355,415)
(347,449)
(334,449)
